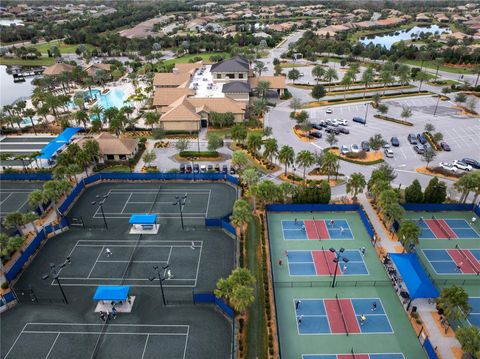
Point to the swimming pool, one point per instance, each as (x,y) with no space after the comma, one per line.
(113,98)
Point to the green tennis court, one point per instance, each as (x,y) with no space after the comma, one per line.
(14,196)
(316,320)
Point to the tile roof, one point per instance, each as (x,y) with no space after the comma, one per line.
(57,69)
(181,110)
(166,96)
(221,105)
(236,87)
(236,64)
(276,82)
(171,79)
(111,145)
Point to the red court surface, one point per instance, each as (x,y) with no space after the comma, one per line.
(440,228)
(469,264)
(334,314)
(316,229)
(324,264)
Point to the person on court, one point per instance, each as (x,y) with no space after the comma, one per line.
(300,318)
(296,221)
(192,246)
(303,227)
(108,252)
(363,319)
(297,304)
(280,262)
(459,266)
(286,254)
(102,315)
(474,219)
(374,306)
(114,312)
(341,230)
(332,222)
(344,268)
(362,250)
(169,274)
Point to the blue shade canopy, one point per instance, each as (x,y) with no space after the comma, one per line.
(111,292)
(58,142)
(143,219)
(414,276)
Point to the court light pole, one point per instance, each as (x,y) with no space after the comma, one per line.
(436,106)
(100,201)
(180,201)
(160,279)
(54,272)
(366,113)
(336,260)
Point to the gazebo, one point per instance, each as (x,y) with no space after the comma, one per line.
(113,295)
(144,224)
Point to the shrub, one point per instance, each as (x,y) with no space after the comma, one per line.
(4,285)
(200,154)
(357,155)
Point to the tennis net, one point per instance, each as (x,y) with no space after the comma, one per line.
(439,224)
(353,353)
(316,228)
(464,254)
(98,343)
(341,313)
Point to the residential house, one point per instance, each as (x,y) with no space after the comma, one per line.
(423,18)
(93,68)
(113,148)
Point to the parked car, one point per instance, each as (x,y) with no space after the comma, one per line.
(354,148)
(344,130)
(210,168)
(418,149)
(317,126)
(421,138)
(427,147)
(445,146)
(395,142)
(225,169)
(316,134)
(217,168)
(342,122)
(359,120)
(335,130)
(196,168)
(322,123)
(412,138)
(182,167)
(386,145)
(462,165)
(388,153)
(471,162)
(334,122)
(344,150)
(203,168)
(448,166)
(188,169)
(365,146)
(329,110)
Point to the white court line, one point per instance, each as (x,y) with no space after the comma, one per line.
(132,261)
(126,202)
(145,346)
(53,344)
(94,264)
(198,264)
(208,203)
(9,195)
(16,340)
(107,333)
(186,342)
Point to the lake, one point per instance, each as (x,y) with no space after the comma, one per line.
(389,39)
(6,22)
(11,91)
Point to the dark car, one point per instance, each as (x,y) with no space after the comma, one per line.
(217,168)
(335,130)
(418,149)
(188,169)
(395,142)
(365,146)
(421,138)
(445,146)
(412,138)
(359,120)
(225,169)
(471,162)
(317,126)
(316,134)
(210,168)
(182,167)
(344,130)
(196,168)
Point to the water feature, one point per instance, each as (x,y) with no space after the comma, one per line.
(6,22)
(12,91)
(389,39)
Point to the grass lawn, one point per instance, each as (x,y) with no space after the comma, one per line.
(256,330)
(64,48)
(222,132)
(431,65)
(43,61)
(443,83)
(205,56)
(117,168)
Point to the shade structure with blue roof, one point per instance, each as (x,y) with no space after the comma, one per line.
(416,280)
(57,143)
(144,224)
(143,219)
(112,292)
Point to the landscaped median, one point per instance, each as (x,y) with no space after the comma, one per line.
(313,104)
(360,158)
(199,156)
(392,119)
(440,173)
(331,92)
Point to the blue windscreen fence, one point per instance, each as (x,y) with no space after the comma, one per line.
(41,176)
(227,226)
(438,207)
(209,297)
(427,345)
(213,222)
(477,210)
(71,197)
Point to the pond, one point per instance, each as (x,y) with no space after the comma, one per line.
(12,91)
(389,39)
(6,22)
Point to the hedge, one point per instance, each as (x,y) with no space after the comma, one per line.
(198,154)
(432,142)
(391,119)
(364,163)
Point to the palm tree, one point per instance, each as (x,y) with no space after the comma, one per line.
(318,72)
(367,78)
(305,159)
(330,74)
(454,302)
(52,102)
(97,111)
(43,111)
(151,118)
(92,149)
(259,68)
(376,142)
(13,220)
(329,164)
(36,199)
(346,82)
(254,142)
(271,149)
(408,233)
(30,217)
(355,184)
(30,112)
(82,117)
(241,214)
(259,106)
(262,88)
(387,78)
(54,190)
(406,112)
(421,76)
(286,155)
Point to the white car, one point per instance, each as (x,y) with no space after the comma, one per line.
(354,148)
(344,150)
(462,165)
(388,153)
(342,122)
(334,122)
(448,166)
(329,110)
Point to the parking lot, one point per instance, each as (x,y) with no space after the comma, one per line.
(459,131)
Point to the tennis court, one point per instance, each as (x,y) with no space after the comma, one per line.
(14,196)
(341,316)
(321,263)
(446,229)
(75,340)
(316,229)
(454,261)
(96,267)
(317,320)
(474,315)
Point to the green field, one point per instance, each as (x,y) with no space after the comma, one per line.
(43,61)
(432,65)
(64,48)
(186,58)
